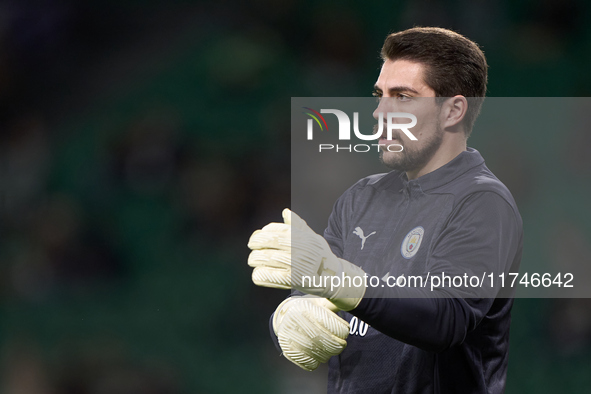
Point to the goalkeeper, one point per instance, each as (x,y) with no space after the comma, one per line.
(440,210)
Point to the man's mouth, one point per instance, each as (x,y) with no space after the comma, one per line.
(384,137)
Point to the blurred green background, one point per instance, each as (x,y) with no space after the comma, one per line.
(141,144)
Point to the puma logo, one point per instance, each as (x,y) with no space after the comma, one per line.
(358,231)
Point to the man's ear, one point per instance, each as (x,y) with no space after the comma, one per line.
(453,112)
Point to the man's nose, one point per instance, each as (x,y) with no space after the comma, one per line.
(385,105)
(379,109)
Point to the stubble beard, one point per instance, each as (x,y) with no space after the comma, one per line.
(413,159)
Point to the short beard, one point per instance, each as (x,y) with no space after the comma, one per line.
(410,160)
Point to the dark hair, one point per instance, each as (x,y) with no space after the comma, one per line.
(454,64)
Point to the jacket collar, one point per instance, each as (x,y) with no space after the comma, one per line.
(463,162)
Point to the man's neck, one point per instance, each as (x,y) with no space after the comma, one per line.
(443,156)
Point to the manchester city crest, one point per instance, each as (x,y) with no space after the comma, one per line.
(412,242)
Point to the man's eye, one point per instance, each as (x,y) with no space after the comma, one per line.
(402,97)
(377,95)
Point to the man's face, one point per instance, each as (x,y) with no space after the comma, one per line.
(401,88)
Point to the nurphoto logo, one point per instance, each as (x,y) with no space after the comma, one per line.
(345,129)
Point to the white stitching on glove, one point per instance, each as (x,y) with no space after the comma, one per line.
(308,331)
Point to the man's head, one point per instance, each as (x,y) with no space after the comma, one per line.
(430,72)
(453,65)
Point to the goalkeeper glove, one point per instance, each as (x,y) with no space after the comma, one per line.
(291,254)
(308,331)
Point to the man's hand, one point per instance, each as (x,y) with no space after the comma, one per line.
(308,331)
(271,252)
(291,255)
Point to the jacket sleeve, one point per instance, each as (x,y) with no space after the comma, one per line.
(482,236)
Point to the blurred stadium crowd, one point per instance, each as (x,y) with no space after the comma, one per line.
(140,145)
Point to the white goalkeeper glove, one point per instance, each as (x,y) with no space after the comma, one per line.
(308,331)
(291,255)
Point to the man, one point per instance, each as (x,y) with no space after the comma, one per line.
(440,211)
